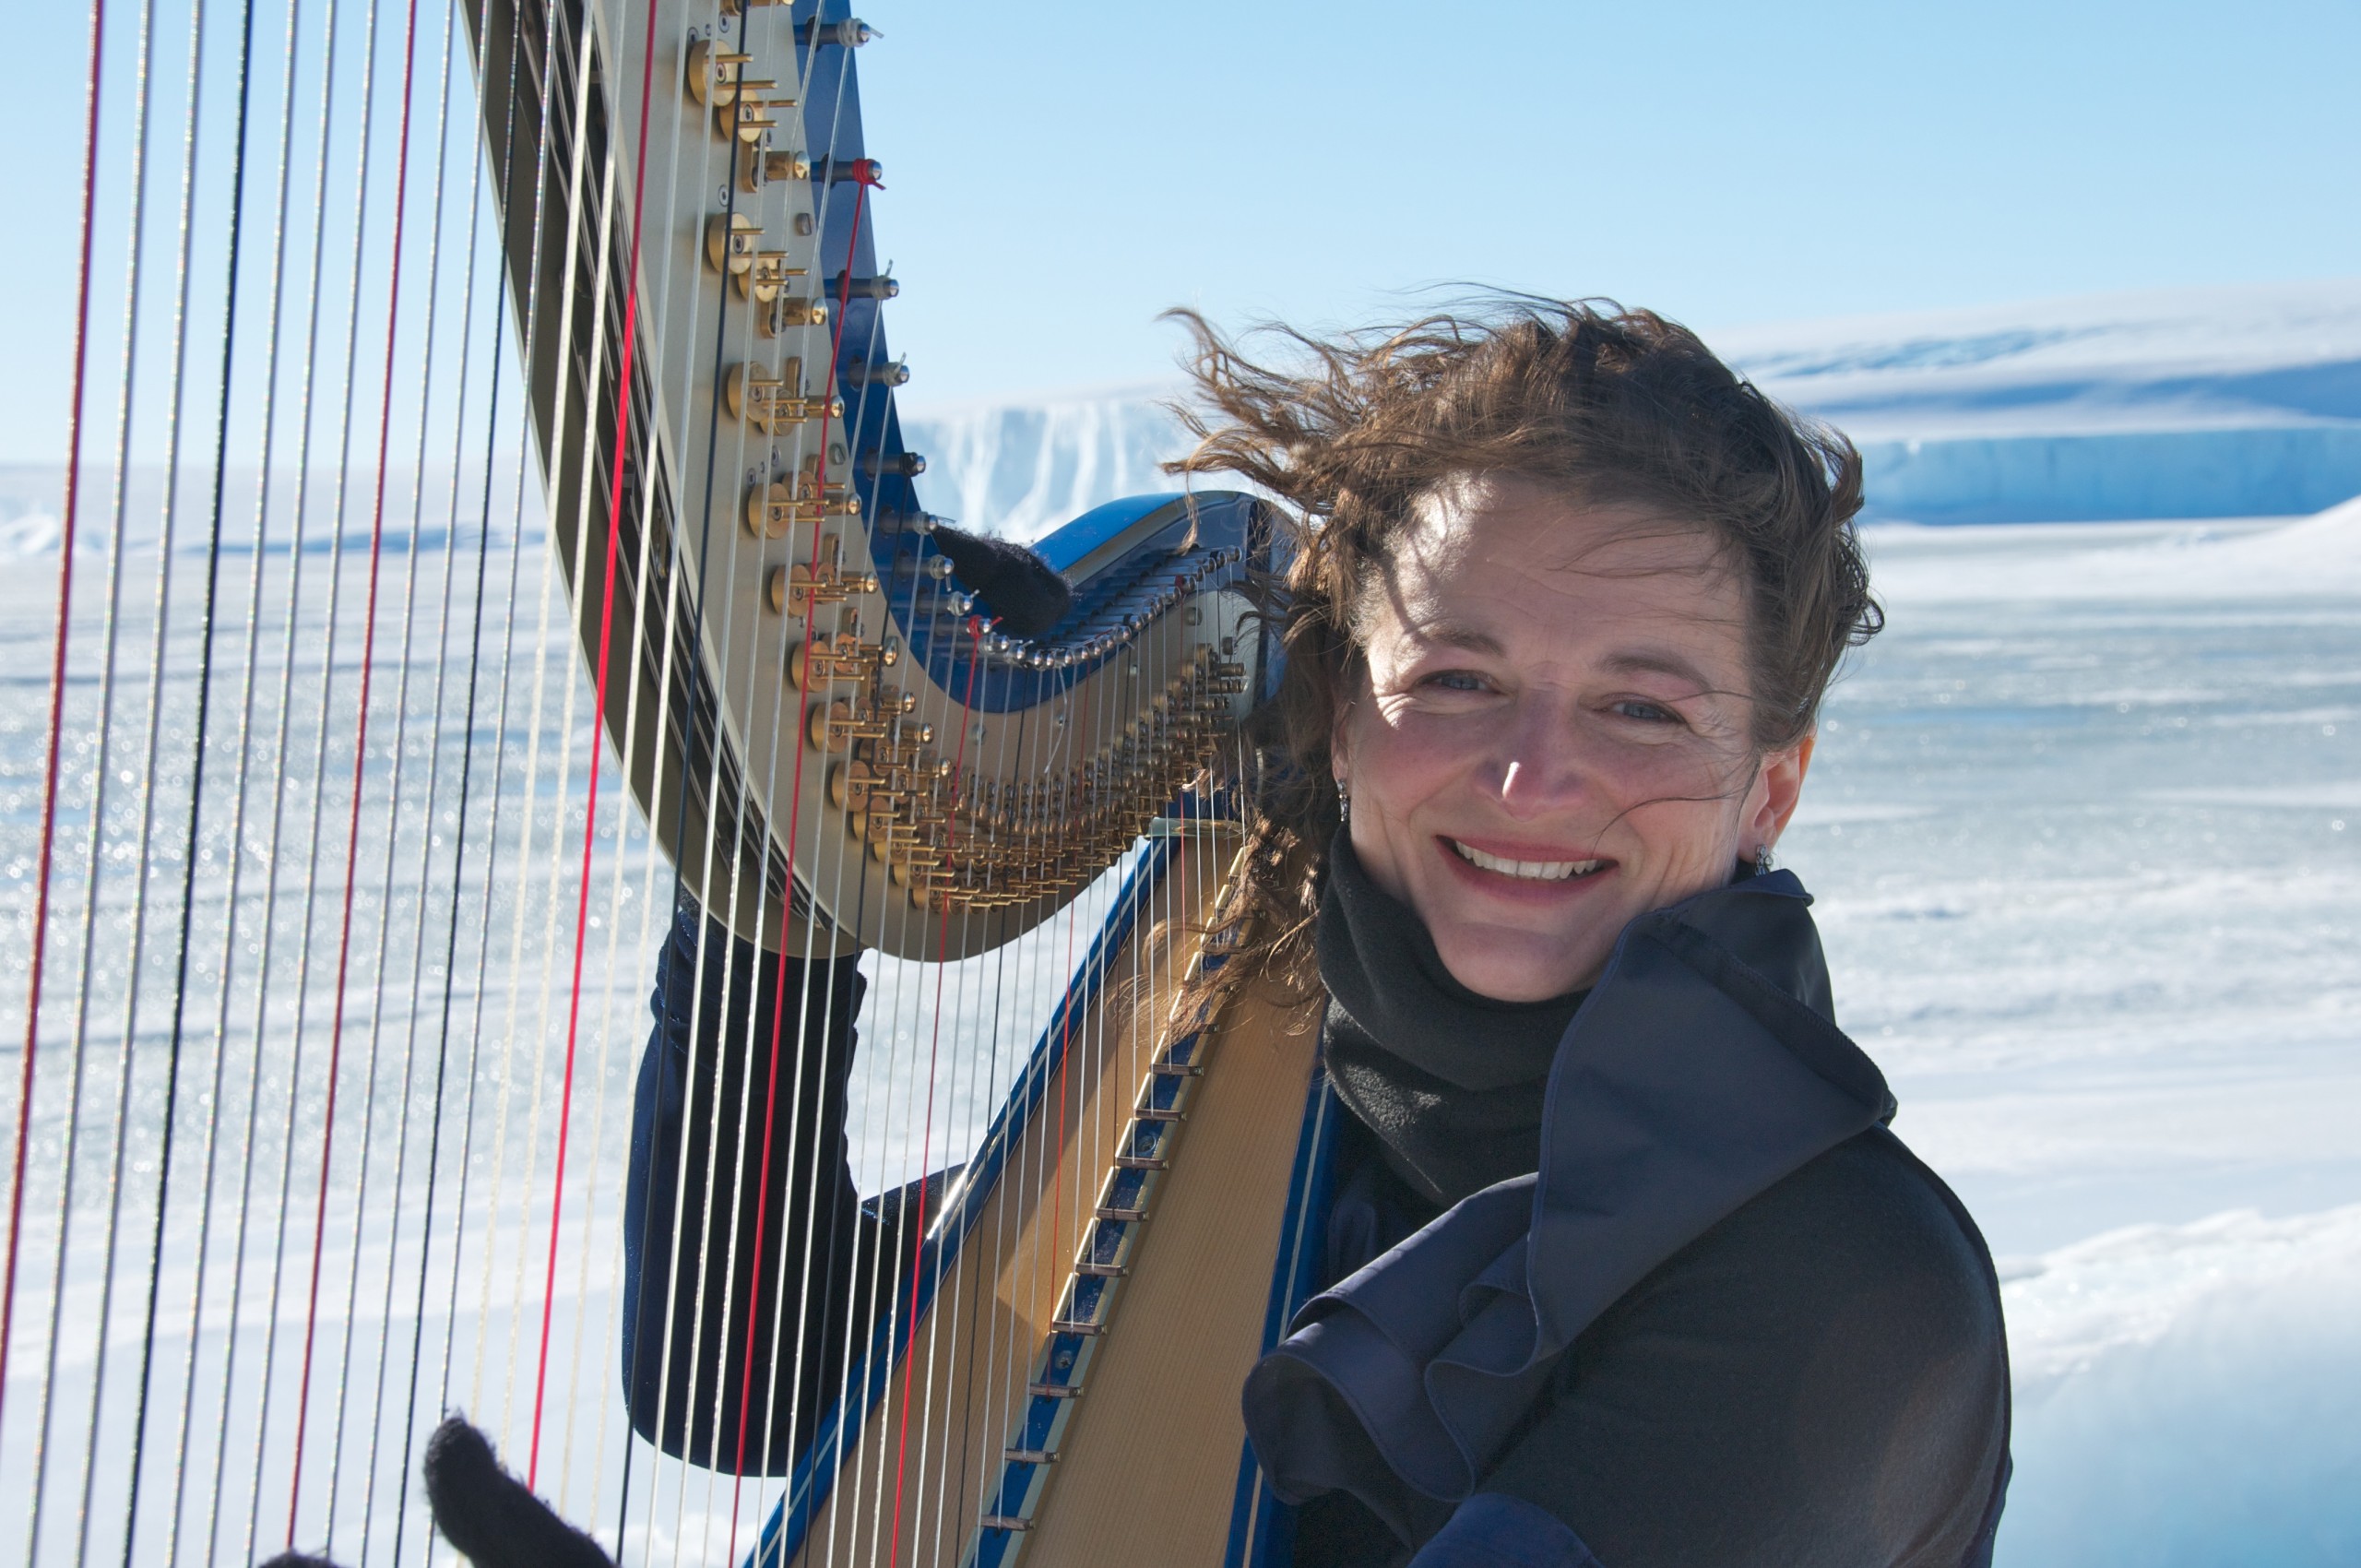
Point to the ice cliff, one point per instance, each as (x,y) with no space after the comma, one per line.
(2189,403)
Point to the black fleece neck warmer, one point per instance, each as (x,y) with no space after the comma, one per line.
(1450,1082)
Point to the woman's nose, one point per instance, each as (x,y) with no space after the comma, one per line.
(1538,767)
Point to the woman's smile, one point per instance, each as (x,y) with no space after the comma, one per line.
(1524,864)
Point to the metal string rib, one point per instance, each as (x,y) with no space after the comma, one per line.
(67,536)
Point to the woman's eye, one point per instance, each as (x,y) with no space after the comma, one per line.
(1456,681)
(1646,712)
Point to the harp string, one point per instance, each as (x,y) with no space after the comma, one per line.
(598,706)
(511,783)
(437,707)
(69,535)
(190,850)
(44,858)
(934,1061)
(699,1002)
(466,778)
(835,877)
(110,636)
(795,823)
(359,763)
(393,797)
(236,855)
(286,713)
(559,451)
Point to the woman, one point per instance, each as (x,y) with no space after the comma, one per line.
(1628,1268)
(1623,1266)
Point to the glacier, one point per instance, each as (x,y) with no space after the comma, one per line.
(2239,401)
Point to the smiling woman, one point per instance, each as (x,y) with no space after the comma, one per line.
(1621,1263)
(1553,733)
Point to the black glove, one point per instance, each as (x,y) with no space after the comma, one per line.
(485,1512)
(489,1514)
(1019,588)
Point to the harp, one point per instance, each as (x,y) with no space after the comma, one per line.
(497,549)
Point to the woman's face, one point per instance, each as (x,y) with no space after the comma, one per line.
(1554,732)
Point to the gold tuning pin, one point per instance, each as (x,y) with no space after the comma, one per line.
(746,116)
(850,784)
(774,509)
(768,167)
(731,242)
(782,313)
(713,72)
(765,274)
(835,726)
(797,589)
(838,656)
(766,401)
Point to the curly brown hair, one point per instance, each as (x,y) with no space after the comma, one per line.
(1617,407)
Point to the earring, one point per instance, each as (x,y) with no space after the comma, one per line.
(1344,802)
(1761,860)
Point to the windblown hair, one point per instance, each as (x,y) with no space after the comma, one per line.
(1612,407)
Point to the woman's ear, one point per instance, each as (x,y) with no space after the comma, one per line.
(1778,788)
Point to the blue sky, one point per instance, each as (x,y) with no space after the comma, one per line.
(1058,173)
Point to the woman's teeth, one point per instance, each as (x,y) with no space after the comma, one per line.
(1531,871)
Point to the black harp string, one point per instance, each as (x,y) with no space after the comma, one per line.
(459,430)
(529,324)
(236,855)
(188,880)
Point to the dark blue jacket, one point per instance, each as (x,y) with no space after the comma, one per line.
(1731,1319)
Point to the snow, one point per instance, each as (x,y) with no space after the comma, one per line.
(2189,403)
(2318,556)
(2184,1394)
(2084,827)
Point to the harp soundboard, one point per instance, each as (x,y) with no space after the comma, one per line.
(487,532)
